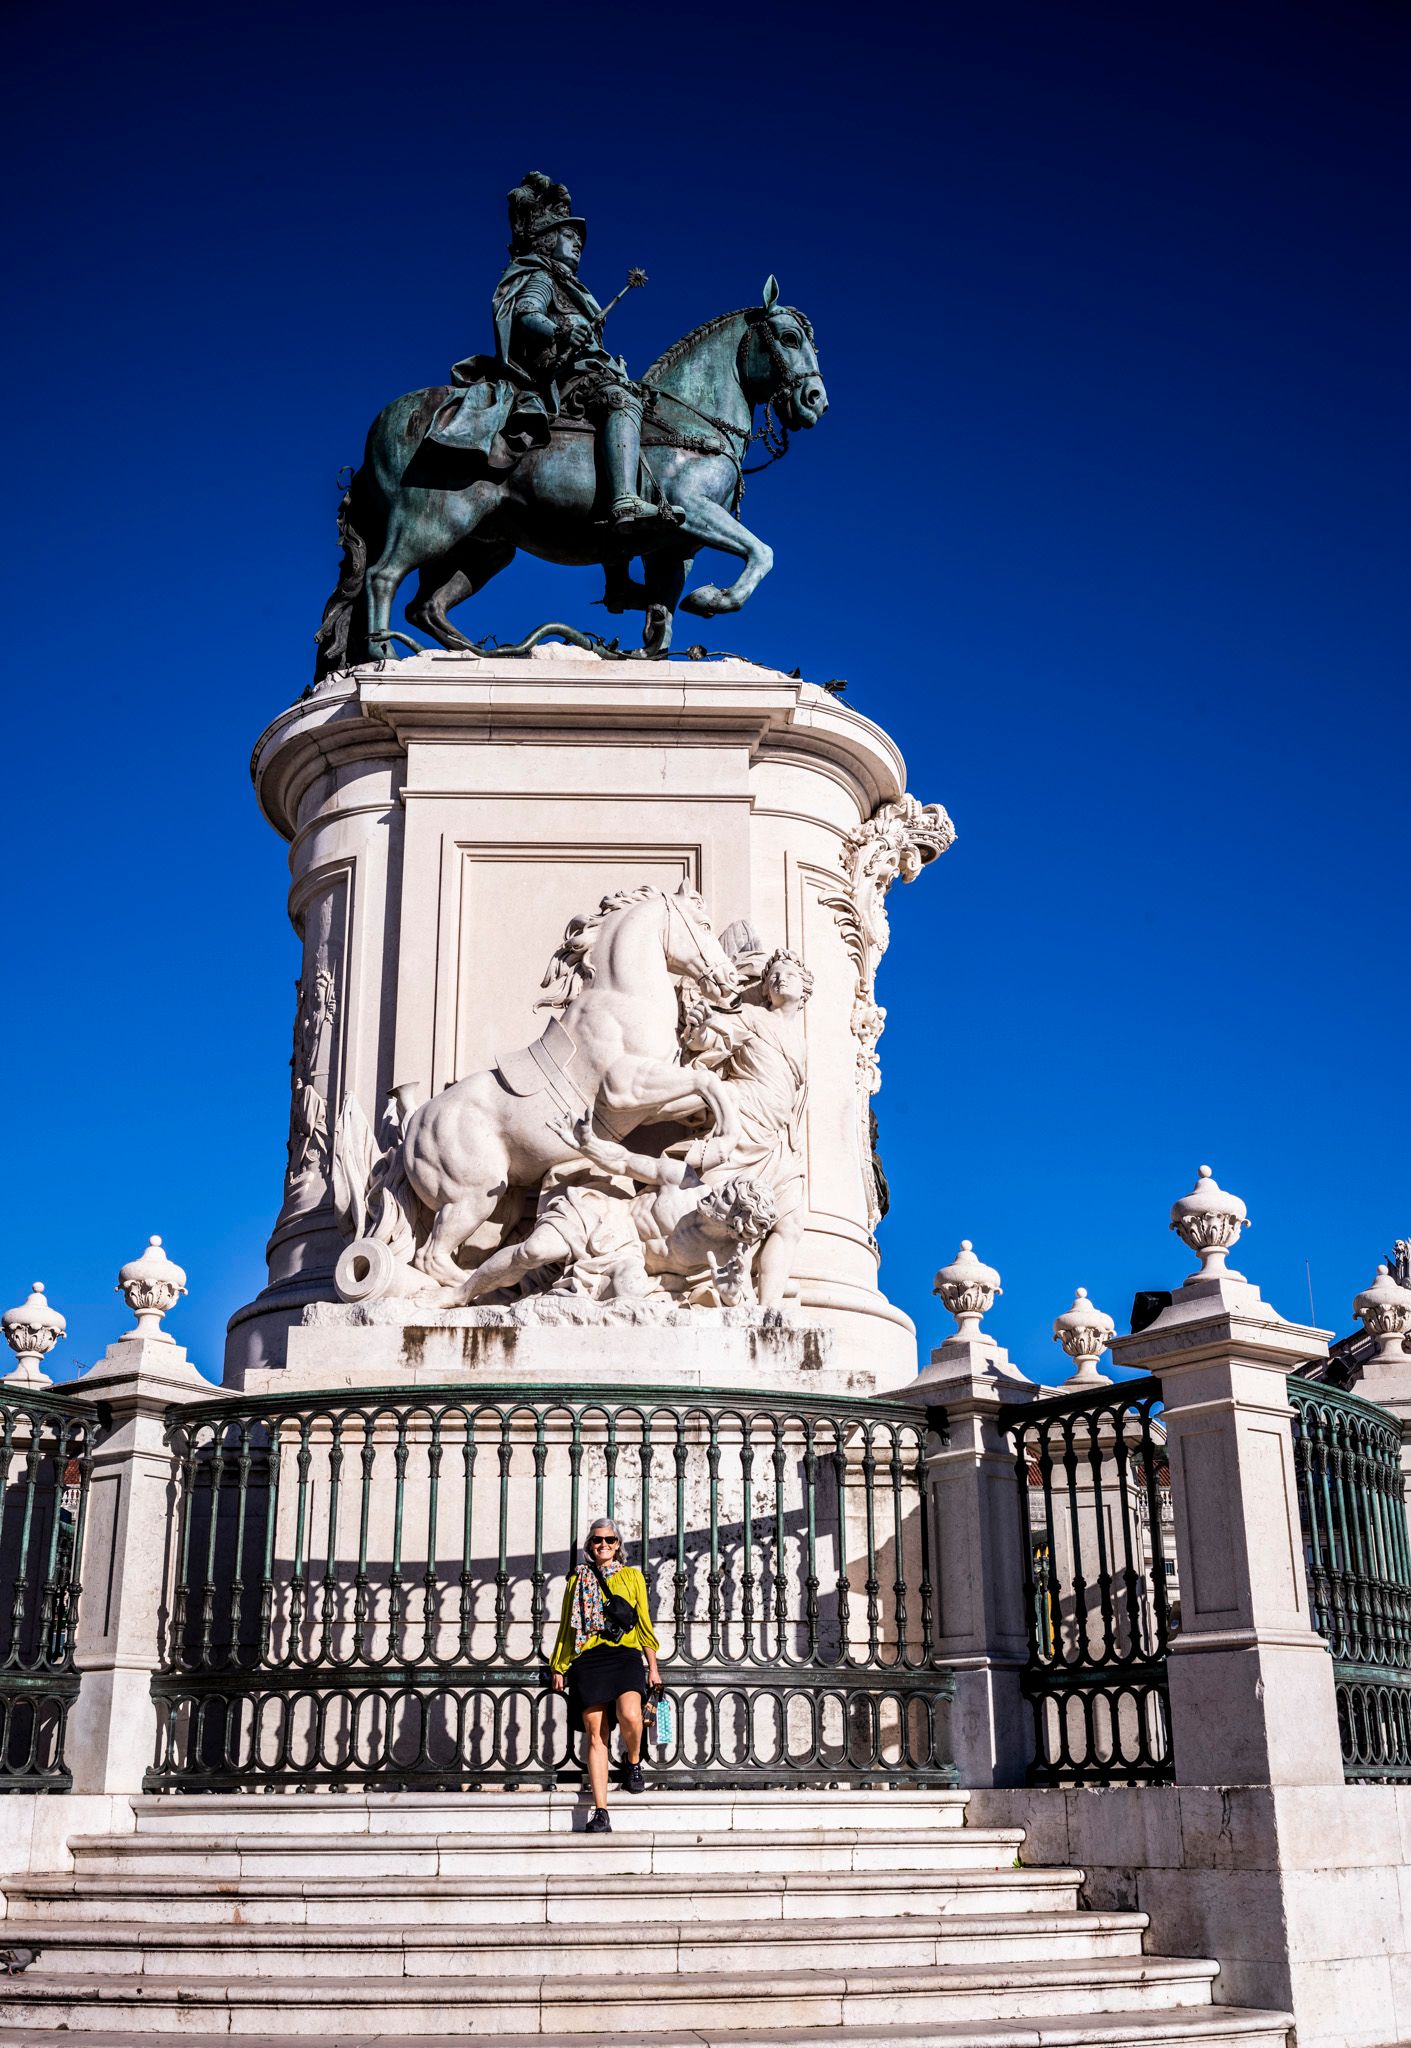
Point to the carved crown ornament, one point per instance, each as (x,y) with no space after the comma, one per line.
(31,1331)
(1384,1311)
(1209,1220)
(968,1287)
(1084,1331)
(150,1286)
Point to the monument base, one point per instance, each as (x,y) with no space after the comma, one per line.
(454,821)
(553,1341)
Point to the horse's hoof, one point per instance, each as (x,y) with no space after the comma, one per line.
(656,633)
(705,602)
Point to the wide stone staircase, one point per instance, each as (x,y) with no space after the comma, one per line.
(755,1919)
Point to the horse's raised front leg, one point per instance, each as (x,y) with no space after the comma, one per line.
(635,1084)
(711,526)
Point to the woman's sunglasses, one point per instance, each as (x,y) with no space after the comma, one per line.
(611,1541)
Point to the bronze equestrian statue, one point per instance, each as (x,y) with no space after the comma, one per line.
(550,446)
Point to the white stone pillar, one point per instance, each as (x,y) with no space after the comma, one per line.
(974,1503)
(127,1568)
(1251,1680)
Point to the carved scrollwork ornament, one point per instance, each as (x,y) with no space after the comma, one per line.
(898,840)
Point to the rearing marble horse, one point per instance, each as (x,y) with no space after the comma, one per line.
(402,513)
(616,1054)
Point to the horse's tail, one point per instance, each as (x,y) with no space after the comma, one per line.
(342,637)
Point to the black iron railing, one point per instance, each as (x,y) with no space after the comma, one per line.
(370,1582)
(1347,1455)
(46,1455)
(1094,1507)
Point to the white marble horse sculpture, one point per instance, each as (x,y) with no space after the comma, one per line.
(615,1054)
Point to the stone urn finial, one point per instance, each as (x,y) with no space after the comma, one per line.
(1084,1331)
(31,1331)
(150,1286)
(1384,1310)
(968,1287)
(1209,1220)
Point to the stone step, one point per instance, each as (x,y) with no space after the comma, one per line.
(726,1997)
(629,1850)
(1222,2026)
(560,1897)
(561,1811)
(142,1948)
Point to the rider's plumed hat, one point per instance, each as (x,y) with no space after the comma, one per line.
(536,206)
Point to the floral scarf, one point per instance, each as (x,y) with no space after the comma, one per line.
(588,1598)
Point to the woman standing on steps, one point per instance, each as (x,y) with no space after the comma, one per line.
(605,1659)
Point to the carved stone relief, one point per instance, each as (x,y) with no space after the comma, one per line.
(899,840)
(314,1061)
(661,1025)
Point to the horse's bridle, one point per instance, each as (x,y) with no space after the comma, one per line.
(673,909)
(771,432)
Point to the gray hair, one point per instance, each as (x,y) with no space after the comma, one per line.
(602,1522)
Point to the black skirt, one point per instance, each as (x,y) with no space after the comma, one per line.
(598,1679)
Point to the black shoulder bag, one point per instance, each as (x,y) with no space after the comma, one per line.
(619,1615)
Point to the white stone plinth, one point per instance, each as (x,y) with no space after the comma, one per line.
(447,815)
(982,1627)
(1251,1680)
(392,1343)
(127,1565)
(1301,1893)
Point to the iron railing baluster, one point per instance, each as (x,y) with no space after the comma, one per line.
(396,1594)
(328,1590)
(780,1462)
(539,1583)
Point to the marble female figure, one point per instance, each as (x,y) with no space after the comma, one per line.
(760,1050)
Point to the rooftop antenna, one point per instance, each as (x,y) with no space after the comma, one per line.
(1312,1317)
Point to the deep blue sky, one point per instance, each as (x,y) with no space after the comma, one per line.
(1107,524)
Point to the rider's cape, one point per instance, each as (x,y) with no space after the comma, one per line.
(499,394)
(469,422)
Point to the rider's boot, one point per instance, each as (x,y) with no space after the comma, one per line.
(620,444)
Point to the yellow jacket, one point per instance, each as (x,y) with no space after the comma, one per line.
(627,1582)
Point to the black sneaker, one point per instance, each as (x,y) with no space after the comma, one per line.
(632,1780)
(598,1822)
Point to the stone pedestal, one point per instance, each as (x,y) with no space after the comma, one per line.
(1251,1681)
(127,1563)
(395,1344)
(447,815)
(981,1634)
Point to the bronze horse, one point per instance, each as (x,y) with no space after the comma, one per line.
(407,508)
